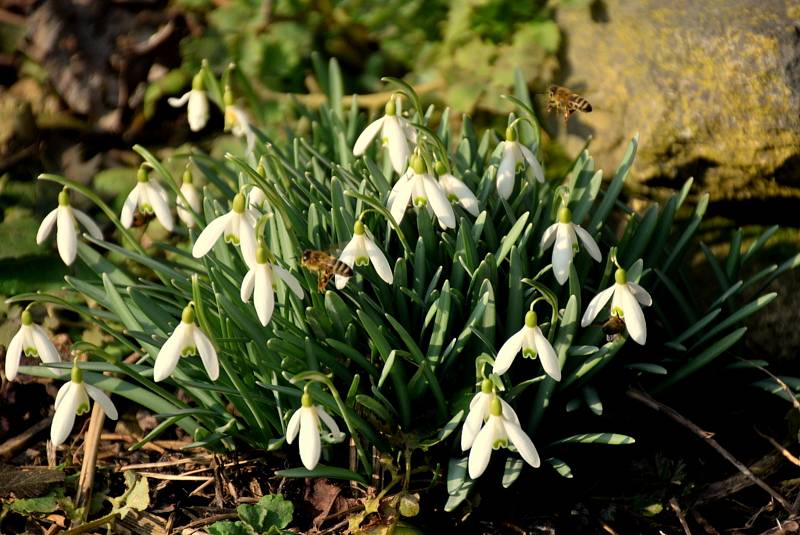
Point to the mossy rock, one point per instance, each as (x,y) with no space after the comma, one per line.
(713,87)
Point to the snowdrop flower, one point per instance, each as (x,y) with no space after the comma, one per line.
(197,110)
(625,298)
(532,342)
(514,154)
(501,427)
(259,280)
(192,203)
(456,190)
(149,197)
(306,421)
(396,134)
(359,251)
(479,413)
(565,235)
(420,187)
(186,340)
(31,340)
(236,226)
(237,121)
(66,219)
(73,399)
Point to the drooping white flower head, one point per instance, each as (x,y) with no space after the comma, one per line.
(73,399)
(419,187)
(515,154)
(306,421)
(237,121)
(360,251)
(150,198)
(501,427)
(625,299)
(479,413)
(532,343)
(197,110)
(192,203)
(396,134)
(565,235)
(31,340)
(456,190)
(258,282)
(66,218)
(236,226)
(186,340)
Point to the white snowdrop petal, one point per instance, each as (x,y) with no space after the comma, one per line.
(549,236)
(310,444)
(465,197)
(61,393)
(634,318)
(547,355)
(534,164)
(13,355)
(506,172)
(197,110)
(66,235)
(523,443)
(248,282)
(179,101)
(399,151)
(47,226)
(161,207)
(640,294)
(438,201)
(209,236)
(588,242)
(88,223)
(348,255)
(366,137)
(379,261)
(474,420)
(131,203)
(170,353)
(401,194)
(264,296)
(329,422)
(481,451)
(596,305)
(102,398)
(562,253)
(288,279)
(207,352)
(47,351)
(508,412)
(507,353)
(64,418)
(293,427)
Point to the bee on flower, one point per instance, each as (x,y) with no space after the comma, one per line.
(626,297)
(149,197)
(66,219)
(397,135)
(360,251)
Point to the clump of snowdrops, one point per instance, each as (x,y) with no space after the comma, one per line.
(473,294)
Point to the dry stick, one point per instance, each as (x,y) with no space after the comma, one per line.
(672,413)
(12,445)
(700,519)
(91,442)
(677,508)
(786,453)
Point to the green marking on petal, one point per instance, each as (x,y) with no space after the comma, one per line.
(617,311)
(188,351)
(31,352)
(452,197)
(362,261)
(83,408)
(232,239)
(420,201)
(529,352)
(500,443)
(146,208)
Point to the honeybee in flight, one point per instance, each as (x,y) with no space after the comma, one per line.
(325,266)
(563,100)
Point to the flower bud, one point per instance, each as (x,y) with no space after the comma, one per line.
(564,215)
(187,316)
(621,277)
(239,203)
(530,319)
(187,176)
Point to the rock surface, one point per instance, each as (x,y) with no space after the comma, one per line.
(713,87)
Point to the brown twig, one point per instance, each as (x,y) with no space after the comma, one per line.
(646,399)
(673,502)
(204,522)
(786,453)
(12,445)
(705,524)
(90,444)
